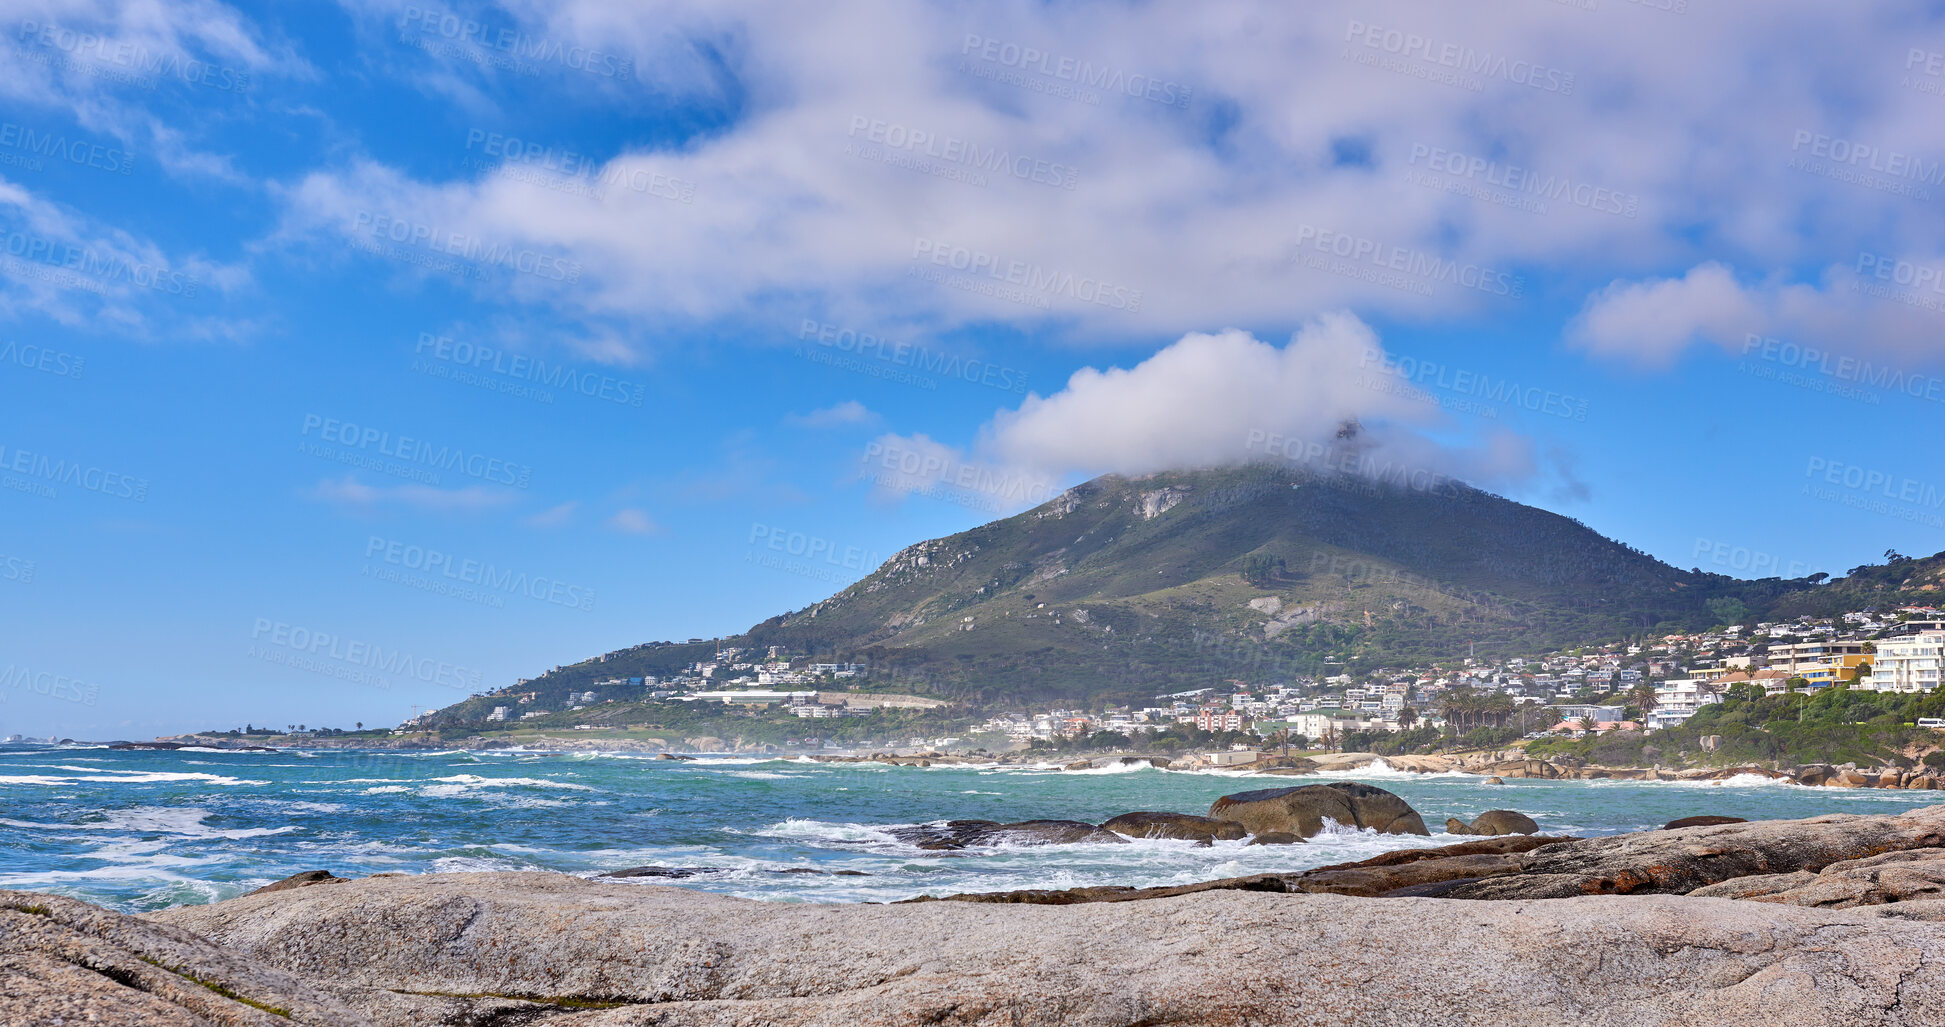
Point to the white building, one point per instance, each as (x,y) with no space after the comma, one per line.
(1678,700)
(499,713)
(1908,664)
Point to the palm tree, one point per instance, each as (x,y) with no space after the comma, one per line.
(1407,717)
(1644,697)
(1460,706)
(1587,724)
(1497,706)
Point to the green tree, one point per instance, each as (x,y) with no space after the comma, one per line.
(1728,610)
(1261,569)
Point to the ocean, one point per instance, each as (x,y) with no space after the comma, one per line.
(144,830)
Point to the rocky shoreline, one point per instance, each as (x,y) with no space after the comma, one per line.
(1828,920)
(1502,764)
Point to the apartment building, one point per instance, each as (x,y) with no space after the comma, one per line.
(1908,664)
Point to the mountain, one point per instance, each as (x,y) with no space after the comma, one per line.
(1127,588)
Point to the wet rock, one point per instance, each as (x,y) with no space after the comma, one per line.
(1701,821)
(1179,826)
(1302,810)
(1725,773)
(666,872)
(1495,781)
(1522,768)
(1814,775)
(677,873)
(302,880)
(1276,838)
(960,834)
(1498,822)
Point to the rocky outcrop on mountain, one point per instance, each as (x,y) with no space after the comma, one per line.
(1179,826)
(1302,810)
(960,834)
(1493,822)
(633,955)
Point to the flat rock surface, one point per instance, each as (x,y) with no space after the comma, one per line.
(1906,876)
(670,956)
(63,961)
(1682,860)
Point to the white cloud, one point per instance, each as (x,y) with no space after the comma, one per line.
(1206,401)
(1883,309)
(1198,401)
(105,62)
(350,492)
(839,415)
(553,516)
(1653,321)
(1289,133)
(633,521)
(77,269)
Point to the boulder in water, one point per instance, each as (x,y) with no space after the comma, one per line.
(1503,821)
(960,834)
(1302,810)
(1276,838)
(1179,826)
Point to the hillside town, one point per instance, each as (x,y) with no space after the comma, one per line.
(1645,685)
(1648,685)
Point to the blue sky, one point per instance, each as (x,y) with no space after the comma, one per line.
(307,306)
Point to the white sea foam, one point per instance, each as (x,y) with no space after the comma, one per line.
(1112,768)
(475,781)
(814,831)
(124,778)
(154,820)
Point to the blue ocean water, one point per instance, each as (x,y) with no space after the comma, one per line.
(140,830)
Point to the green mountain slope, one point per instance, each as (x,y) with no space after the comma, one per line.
(1133,587)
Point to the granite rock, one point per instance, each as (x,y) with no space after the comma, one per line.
(1302,810)
(669,957)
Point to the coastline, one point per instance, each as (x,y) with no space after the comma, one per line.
(1510,763)
(1828,920)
